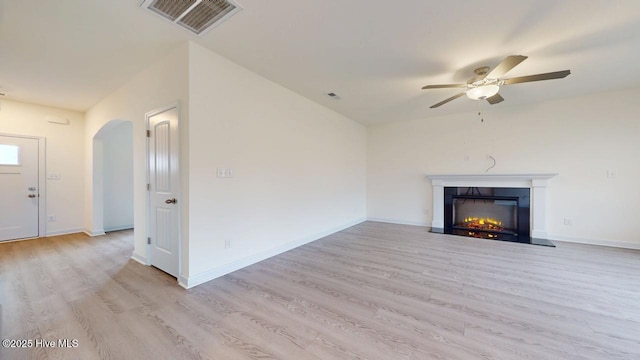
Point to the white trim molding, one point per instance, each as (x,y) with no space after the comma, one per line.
(536,182)
(118,228)
(98,232)
(598,242)
(398,222)
(139,258)
(63,232)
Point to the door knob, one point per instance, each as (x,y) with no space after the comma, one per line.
(171,201)
(31,195)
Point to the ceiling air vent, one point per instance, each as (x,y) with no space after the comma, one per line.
(197,16)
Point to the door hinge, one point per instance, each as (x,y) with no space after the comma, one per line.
(148,241)
(148,187)
(148,133)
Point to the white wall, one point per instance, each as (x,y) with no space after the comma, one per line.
(579,138)
(64,156)
(298,168)
(163,83)
(118,177)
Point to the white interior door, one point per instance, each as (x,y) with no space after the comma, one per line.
(164,229)
(18,188)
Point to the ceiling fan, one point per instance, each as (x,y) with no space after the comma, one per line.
(485,85)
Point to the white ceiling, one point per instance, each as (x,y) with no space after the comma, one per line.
(376,55)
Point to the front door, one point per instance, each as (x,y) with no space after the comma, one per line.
(164,230)
(19,195)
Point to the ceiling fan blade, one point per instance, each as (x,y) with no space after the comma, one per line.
(537,77)
(447,100)
(444,86)
(495,99)
(507,64)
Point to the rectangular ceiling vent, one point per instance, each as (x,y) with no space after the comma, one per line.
(197,16)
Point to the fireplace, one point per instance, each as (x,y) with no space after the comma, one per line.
(519,202)
(488,213)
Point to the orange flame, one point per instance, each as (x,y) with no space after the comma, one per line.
(482,223)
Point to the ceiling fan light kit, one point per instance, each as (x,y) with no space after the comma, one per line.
(487,84)
(482,92)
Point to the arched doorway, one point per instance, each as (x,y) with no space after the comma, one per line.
(113,177)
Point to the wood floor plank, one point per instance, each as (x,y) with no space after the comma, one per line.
(56,320)
(372,291)
(249,303)
(201,329)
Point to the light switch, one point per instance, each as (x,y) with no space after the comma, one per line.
(53,176)
(225,172)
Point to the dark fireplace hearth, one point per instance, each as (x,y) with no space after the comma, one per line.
(494,213)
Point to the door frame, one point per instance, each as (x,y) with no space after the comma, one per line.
(147,117)
(42,181)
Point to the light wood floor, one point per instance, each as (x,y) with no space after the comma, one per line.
(374,291)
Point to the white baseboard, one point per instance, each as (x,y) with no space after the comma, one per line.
(117,228)
(610,243)
(139,258)
(93,233)
(398,222)
(64,232)
(182,281)
(197,279)
(16,240)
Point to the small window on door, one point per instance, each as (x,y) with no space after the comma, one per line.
(9,154)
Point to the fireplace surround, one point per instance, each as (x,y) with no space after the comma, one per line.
(530,218)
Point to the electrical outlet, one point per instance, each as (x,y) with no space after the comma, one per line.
(51,218)
(227,243)
(611,174)
(568,222)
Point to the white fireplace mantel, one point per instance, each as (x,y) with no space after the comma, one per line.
(536,182)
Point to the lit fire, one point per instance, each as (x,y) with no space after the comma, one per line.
(482,223)
(480,235)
